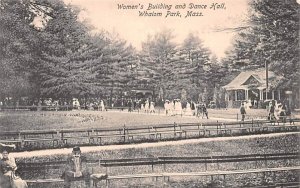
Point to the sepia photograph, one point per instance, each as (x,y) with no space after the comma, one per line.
(149,93)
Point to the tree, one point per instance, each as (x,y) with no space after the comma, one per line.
(115,71)
(19,41)
(272,37)
(68,55)
(193,68)
(157,57)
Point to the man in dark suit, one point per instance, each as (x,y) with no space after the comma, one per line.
(76,169)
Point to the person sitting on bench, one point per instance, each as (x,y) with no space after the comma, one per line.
(8,177)
(76,169)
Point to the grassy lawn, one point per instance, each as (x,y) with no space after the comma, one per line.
(217,146)
(27,120)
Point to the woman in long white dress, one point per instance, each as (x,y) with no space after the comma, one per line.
(102,105)
(147,106)
(142,107)
(178,107)
(152,109)
(188,110)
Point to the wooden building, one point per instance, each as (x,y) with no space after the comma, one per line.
(251,86)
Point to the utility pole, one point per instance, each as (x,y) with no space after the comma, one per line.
(267,78)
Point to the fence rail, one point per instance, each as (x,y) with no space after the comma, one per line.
(40,139)
(165,160)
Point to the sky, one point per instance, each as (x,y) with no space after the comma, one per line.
(104,14)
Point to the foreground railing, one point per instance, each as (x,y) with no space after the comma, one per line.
(158,166)
(57,138)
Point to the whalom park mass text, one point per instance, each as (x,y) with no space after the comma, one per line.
(184,10)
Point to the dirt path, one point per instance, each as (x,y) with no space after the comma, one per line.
(87,149)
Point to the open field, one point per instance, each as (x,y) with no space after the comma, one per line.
(28,120)
(83,119)
(261,144)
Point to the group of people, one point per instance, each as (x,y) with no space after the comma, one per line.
(276,111)
(175,107)
(75,169)
(148,106)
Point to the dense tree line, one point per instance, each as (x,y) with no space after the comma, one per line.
(47,51)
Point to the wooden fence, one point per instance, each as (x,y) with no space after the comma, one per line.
(162,161)
(42,139)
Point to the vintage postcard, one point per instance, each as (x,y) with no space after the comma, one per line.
(149,93)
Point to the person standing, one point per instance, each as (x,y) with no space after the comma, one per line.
(204,111)
(129,105)
(188,109)
(152,109)
(147,106)
(167,106)
(272,111)
(102,105)
(178,107)
(243,111)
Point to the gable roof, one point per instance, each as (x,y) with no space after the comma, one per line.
(252,80)
(240,82)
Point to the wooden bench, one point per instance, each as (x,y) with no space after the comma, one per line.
(134,176)
(180,132)
(121,162)
(192,127)
(231,172)
(38,136)
(192,130)
(131,135)
(100,137)
(140,131)
(45,181)
(75,134)
(39,140)
(128,162)
(169,129)
(203,173)
(17,142)
(241,130)
(280,128)
(127,176)
(220,131)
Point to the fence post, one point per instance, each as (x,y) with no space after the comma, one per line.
(164,166)
(266,162)
(217,128)
(152,166)
(174,130)
(124,133)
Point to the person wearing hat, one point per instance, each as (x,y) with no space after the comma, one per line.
(7,169)
(204,111)
(243,111)
(76,168)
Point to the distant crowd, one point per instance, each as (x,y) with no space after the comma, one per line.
(276,110)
